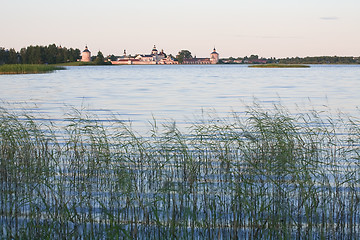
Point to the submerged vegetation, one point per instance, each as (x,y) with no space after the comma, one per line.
(267,175)
(27,68)
(276,65)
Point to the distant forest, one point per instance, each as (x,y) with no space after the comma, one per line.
(51,54)
(254,59)
(320,60)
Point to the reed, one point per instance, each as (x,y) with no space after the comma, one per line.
(28,68)
(78,63)
(270,174)
(279,66)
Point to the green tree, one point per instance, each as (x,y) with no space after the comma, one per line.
(99,60)
(113,58)
(253,57)
(34,54)
(61,55)
(74,55)
(51,52)
(183,54)
(3,56)
(13,56)
(23,55)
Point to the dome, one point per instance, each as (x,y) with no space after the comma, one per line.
(214,51)
(154,51)
(86,49)
(214,57)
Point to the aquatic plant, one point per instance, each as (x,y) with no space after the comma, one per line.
(268,174)
(28,68)
(276,65)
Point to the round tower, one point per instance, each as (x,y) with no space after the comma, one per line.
(214,57)
(86,55)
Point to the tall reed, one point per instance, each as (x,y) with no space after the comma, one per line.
(268,174)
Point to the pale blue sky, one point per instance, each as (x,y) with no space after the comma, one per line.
(277,28)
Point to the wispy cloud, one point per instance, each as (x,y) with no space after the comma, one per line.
(267,36)
(329,18)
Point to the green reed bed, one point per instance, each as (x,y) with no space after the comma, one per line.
(267,175)
(79,63)
(28,68)
(277,65)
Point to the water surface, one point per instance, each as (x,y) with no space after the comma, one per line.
(178,93)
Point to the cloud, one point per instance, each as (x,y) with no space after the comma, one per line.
(267,36)
(329,18)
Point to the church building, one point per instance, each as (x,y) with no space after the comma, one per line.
(214,57)
(144,59)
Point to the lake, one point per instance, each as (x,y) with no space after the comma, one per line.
(270,177)
(180,92)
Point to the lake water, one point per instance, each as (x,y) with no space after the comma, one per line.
(181,92)
(246,186)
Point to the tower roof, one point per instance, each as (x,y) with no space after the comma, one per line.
(86,49)
(214,51)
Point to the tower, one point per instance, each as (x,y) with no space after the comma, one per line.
(154,51)
(86,55)
(214,57)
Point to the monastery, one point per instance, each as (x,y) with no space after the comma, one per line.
(162,58)
(153,58)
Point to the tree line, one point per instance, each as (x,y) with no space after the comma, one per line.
(51,54)
(320,60)
(294,60)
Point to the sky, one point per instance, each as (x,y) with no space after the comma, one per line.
(237,28)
